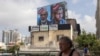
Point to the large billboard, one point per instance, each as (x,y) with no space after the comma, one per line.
(51,14)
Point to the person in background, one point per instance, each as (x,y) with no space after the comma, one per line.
(86,51)
(58,14)
(65,45)
(43,17)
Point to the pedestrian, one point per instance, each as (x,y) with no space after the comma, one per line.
(86,51)
(65,45)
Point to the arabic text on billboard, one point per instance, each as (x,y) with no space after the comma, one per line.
(53,27)
(44,28)
(35,28)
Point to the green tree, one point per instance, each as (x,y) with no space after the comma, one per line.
(88,39)
(13,49)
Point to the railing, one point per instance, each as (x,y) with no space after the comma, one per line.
(95,53)
(6,54)
(53,53)
(45,53)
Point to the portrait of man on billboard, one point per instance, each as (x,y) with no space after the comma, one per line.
(58,14)
(44,15)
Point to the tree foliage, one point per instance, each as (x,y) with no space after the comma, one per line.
(13,49)
(88,39)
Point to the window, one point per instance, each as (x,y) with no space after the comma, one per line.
(59,36)
(41,38)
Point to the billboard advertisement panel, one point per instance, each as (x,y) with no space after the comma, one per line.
(58,13)
(44,15)
(29,28)
(64,27)
(43,27)
(34,28)
(53,27)
(51,14)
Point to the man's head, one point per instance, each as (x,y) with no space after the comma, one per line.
(65,43)
(43,14)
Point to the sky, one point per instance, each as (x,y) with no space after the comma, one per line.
(19,14)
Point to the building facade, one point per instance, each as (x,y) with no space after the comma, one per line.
(50,38)
(10,36)
(76,27)
(73,23)
(5,36)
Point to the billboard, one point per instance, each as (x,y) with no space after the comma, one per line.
(51,14)
(53,27)
(29,28)
(44,15)
(43,27)
(34,28)
(64,27)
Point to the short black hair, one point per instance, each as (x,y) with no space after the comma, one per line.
(68,40)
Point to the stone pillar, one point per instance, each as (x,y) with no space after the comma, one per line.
(98,19)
